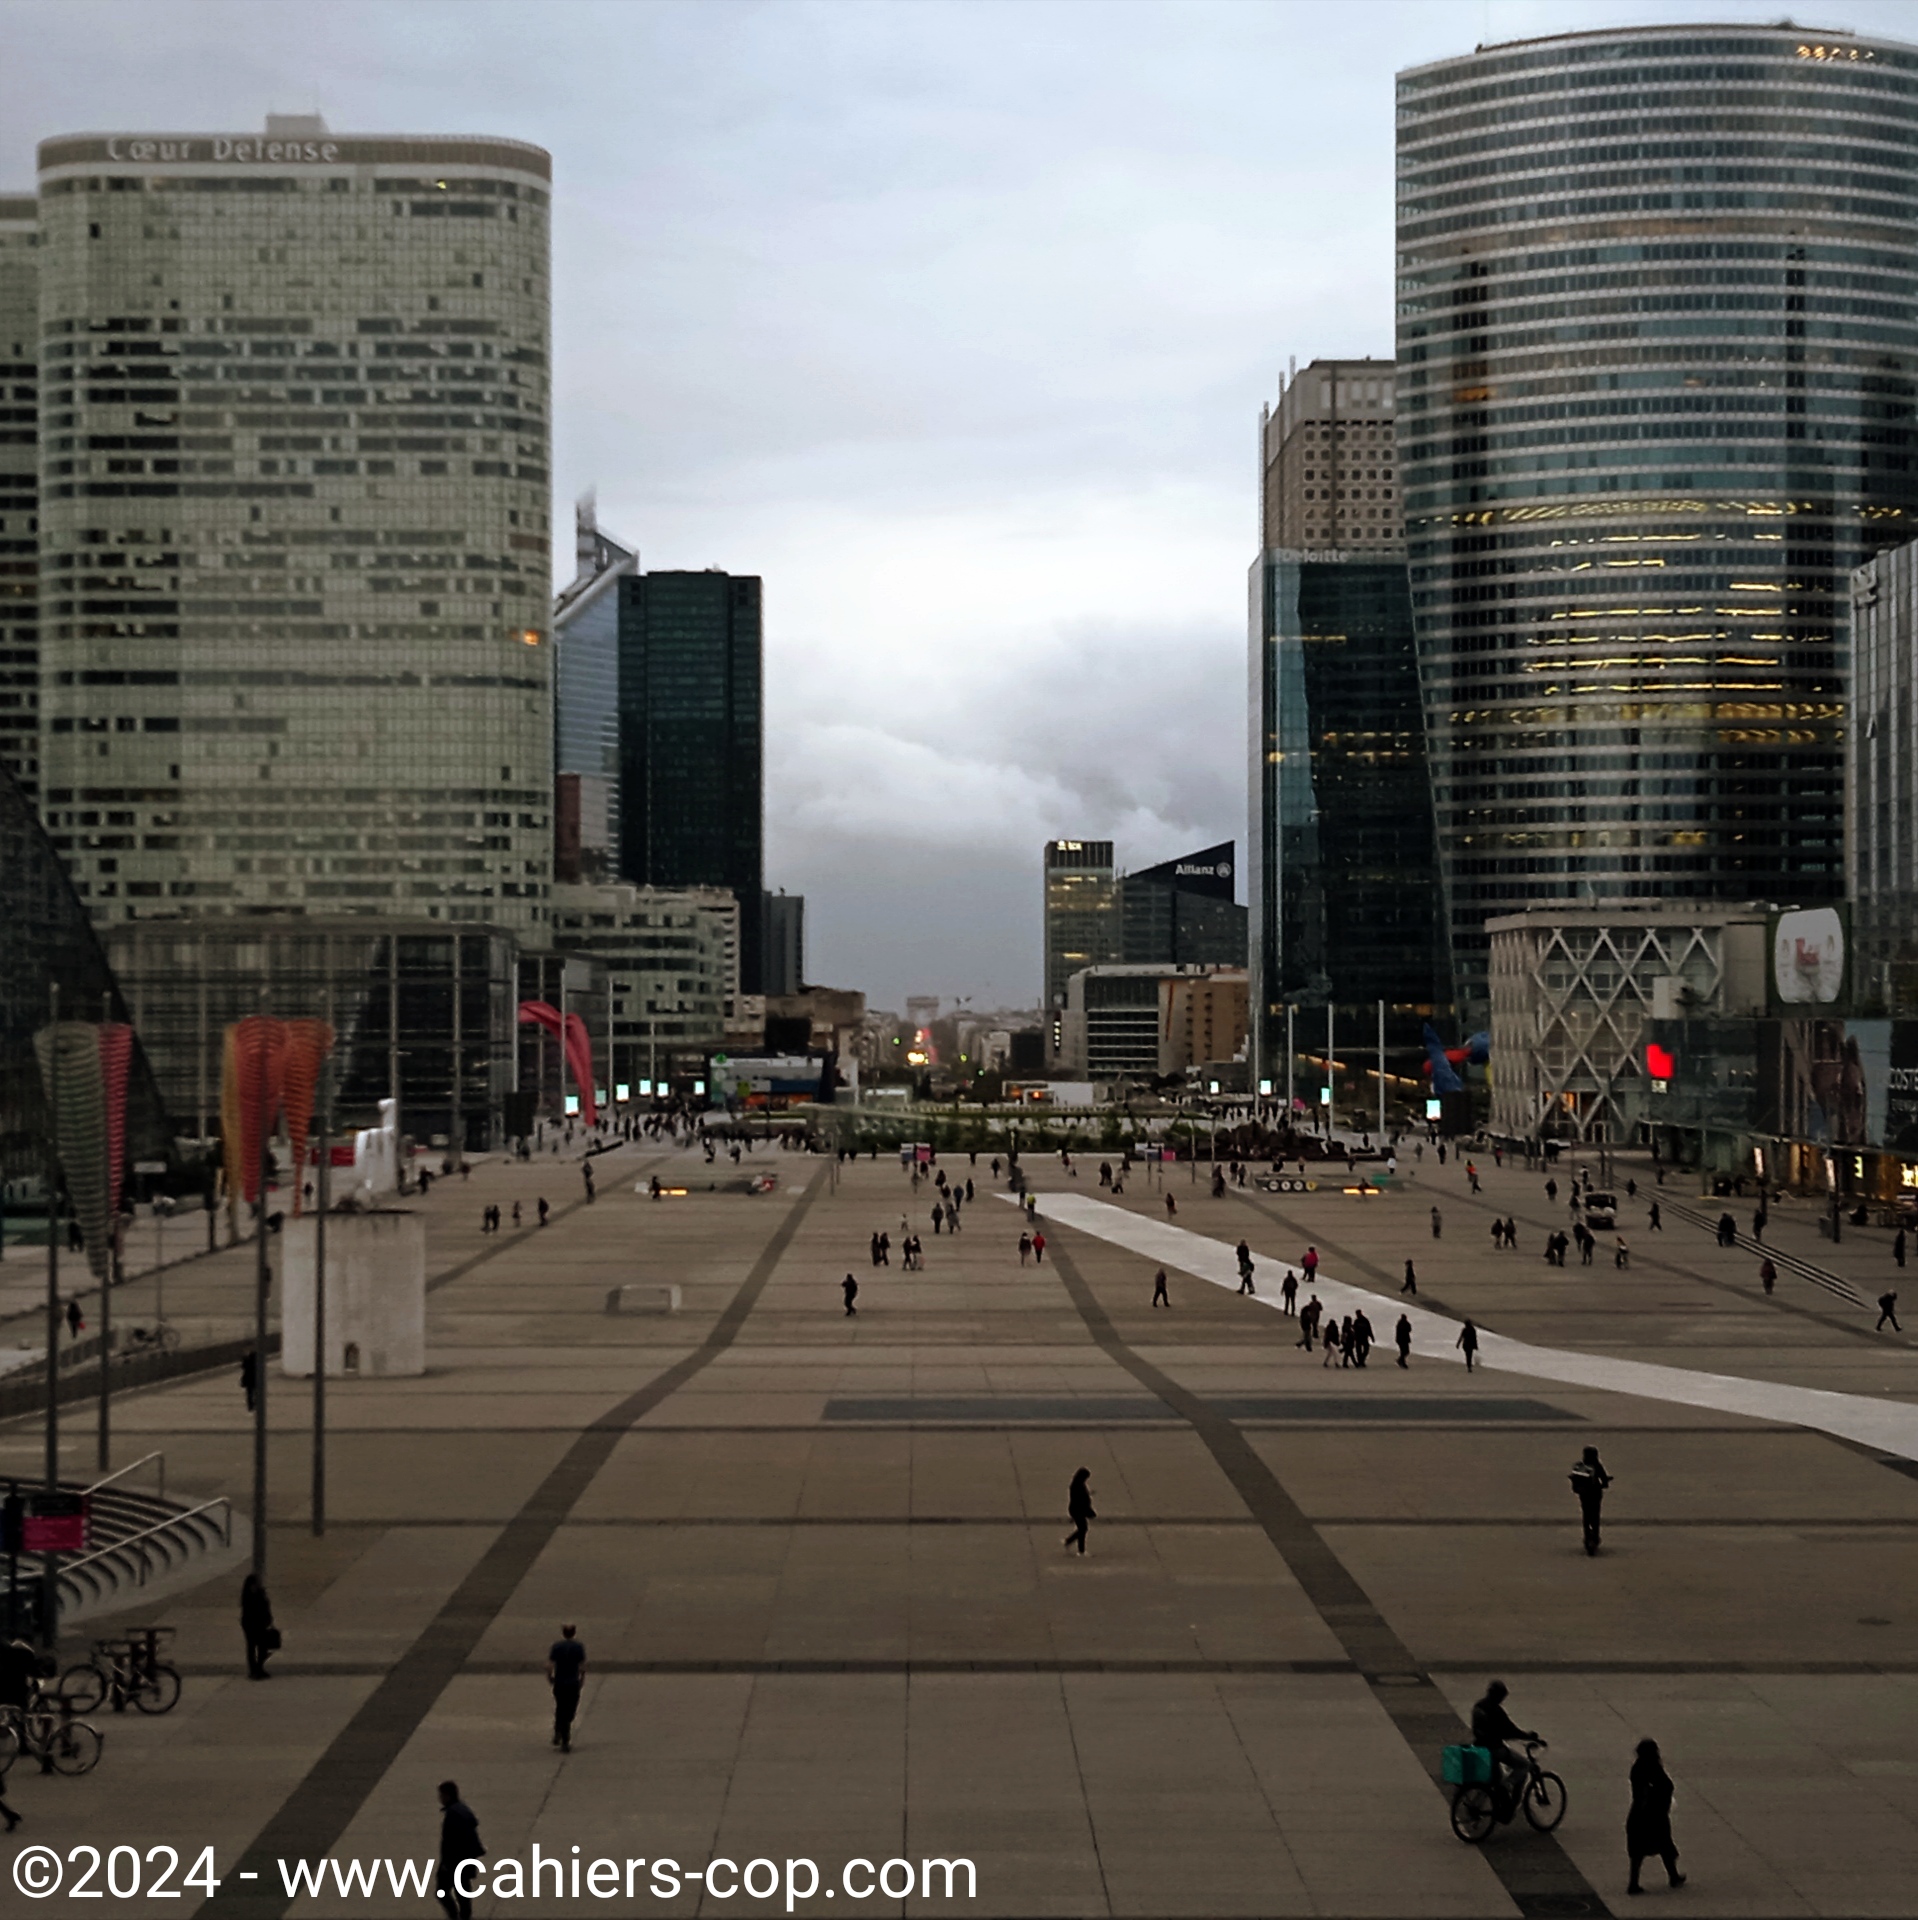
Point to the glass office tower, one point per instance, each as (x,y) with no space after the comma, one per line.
(19,491)
(691,742)
(294,544)
(1343,882)
(1657,347)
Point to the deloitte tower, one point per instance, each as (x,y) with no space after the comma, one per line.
(1657,354)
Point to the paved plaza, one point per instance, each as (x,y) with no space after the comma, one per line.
(817,1561)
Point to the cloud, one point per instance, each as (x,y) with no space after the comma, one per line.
(952,321)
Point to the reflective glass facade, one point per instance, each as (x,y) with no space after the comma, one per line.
(1344,889)
(1657,355)
(1881,782)
(691,717)
(295,547)
(46,938)
(1082,912)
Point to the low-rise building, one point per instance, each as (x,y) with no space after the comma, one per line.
(672,958)
(1574,992)
(1145,1022)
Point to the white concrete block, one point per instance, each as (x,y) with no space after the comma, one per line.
(375,1296)
(643,1298)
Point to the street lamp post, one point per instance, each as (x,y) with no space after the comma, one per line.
(50,1564)
(262,1281)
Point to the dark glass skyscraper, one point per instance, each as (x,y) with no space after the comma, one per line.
(1657,354)
(690,741)
(1181,912)
(1343,886)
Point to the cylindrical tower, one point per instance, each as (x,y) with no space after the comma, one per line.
(1657,349)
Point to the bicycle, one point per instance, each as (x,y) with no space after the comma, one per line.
(123,1670)
(158,1338)
(47,1731)
(1479,1806)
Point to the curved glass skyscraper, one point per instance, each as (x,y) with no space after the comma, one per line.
(1657,350)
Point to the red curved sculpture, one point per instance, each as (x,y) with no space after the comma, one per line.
(575,1043)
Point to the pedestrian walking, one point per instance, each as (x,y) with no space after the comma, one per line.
(885,1249)
(1334,1344)
(1760,1221)
(586,1173)
(1589,1481)
(1411,1279)
(1309,1266)
(1467,1343)
(938,1218)
(1288,1291)
(1245,1274)
(1888,1310)
(1621,1253)
(1727,1230)
(873,1249)
(566,1675)
(1438,1223)
(1079,1508)
(1171,1207)
(1551,1191)
(1658,1218)
(1648,1826)
(544,1210)
(459,1846)
(1309,1322)
(1898,1247)
(850,1288)
(515,1213)
(1038,1249)
(250,1377)
(256,1627)
(1358,1335)
(76,1320)
(1471,1173)
(1025,1248)
(1402,1334)
(1767,1274)
(1160,1298)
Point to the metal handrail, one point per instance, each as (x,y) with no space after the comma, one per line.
(147,1533)
(159,1454)
(1791,1262)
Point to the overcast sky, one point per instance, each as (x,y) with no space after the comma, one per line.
(952,321)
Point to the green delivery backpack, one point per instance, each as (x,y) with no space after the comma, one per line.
(1467,1766)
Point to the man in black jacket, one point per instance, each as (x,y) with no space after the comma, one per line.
(1492,1726)
(459,1843)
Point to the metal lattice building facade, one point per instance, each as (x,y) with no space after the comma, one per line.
(1573,994)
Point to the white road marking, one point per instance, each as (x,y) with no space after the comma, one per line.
(1890,1426)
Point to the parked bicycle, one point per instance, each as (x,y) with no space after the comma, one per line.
(45,1730)
(157,1338)
(122,1671)
(1483,1800)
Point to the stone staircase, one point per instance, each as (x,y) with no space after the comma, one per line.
(139,1543)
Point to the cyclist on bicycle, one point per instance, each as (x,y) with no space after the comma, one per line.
(1492,1726)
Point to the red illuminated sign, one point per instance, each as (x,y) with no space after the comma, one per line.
(1659,1063)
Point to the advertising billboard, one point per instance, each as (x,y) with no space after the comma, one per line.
(1810,965)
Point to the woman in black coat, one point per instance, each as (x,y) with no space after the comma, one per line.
(1079,1508)
(256,1624)
(1648,1827)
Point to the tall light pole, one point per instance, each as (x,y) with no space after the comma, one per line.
(1381,1076)
(1331,1077)
(262,1281)
(324,1191)
(1291,1061)
(50,1564)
